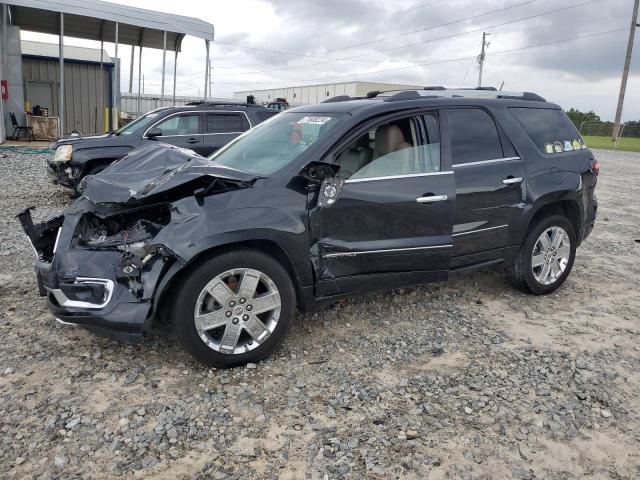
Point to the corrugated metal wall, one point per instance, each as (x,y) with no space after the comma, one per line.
(83,106)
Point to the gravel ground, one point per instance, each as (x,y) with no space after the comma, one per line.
(465,379)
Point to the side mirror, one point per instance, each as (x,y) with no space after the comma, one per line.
(317,172)
(153,133)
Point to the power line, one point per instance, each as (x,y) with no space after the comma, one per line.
(381,39)
(294,54)
(503,9)
(436,62)
(445,37)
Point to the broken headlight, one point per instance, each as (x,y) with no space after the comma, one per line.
(63,154)
(129,231)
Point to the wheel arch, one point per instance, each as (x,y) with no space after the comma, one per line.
(162,301)
(566,206)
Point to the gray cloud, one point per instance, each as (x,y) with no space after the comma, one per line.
(323,29)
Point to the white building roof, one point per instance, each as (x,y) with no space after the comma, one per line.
(42,49)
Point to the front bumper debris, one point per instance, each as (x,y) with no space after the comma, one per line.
(105,291)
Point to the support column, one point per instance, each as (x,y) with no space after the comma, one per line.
(206,72)
(116,83)
(139,78)
(61,67)
(133,56)
(175,71)
(5,19)
(164,59)
(210,77)
(100,106)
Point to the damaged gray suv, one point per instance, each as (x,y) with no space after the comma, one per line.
(315,204)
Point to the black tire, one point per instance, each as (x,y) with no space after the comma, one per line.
(185,302)
(520,273)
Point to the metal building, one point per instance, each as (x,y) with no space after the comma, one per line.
(88,87)
(91,20)
(310,94)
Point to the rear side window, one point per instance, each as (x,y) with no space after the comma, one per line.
(226,123)
(474,136)
(264,114)
(550,130)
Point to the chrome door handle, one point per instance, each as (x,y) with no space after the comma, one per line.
(432,199)
(193,140)
(512,181)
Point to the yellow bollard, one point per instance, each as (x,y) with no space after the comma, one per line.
(105,119)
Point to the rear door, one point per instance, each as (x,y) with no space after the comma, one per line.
(393,214)
(183,130)
(489,181)
(222,127)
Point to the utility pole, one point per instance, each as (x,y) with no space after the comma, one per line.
(482,57)
(625,72)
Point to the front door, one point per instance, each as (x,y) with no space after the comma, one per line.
(489,178)
(183,130)
(391,216)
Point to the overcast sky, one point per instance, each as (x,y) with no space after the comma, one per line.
(404,41)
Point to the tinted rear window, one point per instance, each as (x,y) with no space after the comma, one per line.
(474,136)
(550,130)
(226,123)
(264,114)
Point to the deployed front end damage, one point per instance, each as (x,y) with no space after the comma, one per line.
(100,263)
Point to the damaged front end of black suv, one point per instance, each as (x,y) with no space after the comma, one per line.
(102,261)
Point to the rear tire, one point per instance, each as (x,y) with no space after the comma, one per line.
(546,256)
(234,308)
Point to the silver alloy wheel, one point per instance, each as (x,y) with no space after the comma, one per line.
(237,310)
(550,255)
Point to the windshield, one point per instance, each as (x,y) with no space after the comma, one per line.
(277,142)
(140,122)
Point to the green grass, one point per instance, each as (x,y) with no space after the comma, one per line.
(626,143)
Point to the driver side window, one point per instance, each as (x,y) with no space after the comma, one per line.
(391,149)
(180,125)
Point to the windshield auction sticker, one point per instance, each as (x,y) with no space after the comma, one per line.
(314,120)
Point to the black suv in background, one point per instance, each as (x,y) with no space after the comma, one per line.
(321,202)
(202,127)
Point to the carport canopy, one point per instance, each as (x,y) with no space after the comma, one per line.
(108,22)
(96,20)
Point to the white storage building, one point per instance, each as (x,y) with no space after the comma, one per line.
(309,94)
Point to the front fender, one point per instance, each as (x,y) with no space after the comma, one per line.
(196,229)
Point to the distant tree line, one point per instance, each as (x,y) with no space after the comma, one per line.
(589,123)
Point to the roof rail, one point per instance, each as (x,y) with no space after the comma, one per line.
(399,95)
(480,92)
(342,98)
(339,98)
(222,104)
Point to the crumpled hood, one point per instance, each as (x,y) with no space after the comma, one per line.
(153,170)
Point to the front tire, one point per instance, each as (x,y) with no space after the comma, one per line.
(546,256)
(234,308)
(77,191)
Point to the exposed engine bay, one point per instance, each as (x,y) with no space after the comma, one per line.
(113,242)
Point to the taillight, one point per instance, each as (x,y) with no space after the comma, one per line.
(595,167)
